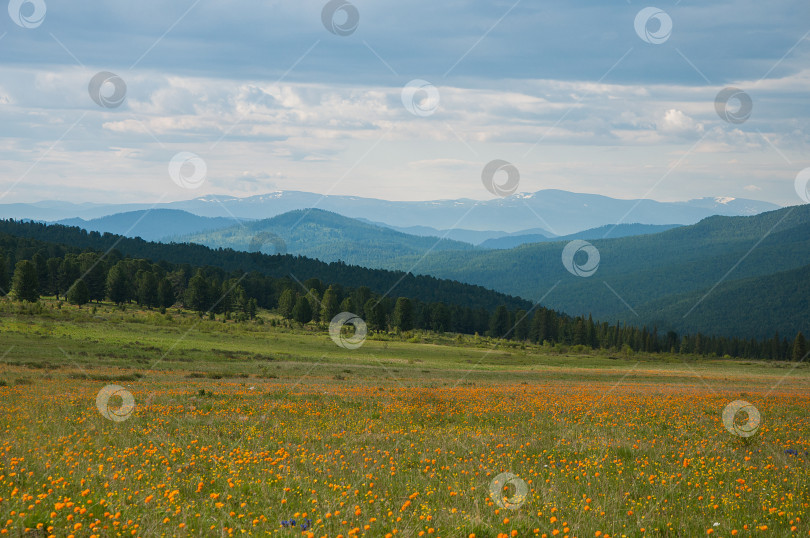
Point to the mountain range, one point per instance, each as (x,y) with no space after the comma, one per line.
(329,237)
(325,236)
(320,234)
(724,275)
(555,211)
(727,275)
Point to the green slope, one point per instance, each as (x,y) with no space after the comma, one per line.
(653,269)
(756,307)
(326,236)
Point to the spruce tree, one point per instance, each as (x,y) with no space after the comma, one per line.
(499,324)
(166,297)
(119,288)
(302,311)
(78,293)
(68,273)
(94,273)
(522,325)
(24,285)
(197,294)
(251,307)
(314,299)
(403,314)
(439,317)
(286,303)
(348,305)
(147,292)
(3,275)
(799,347)
(329,305)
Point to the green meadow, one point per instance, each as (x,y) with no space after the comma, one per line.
(267,427)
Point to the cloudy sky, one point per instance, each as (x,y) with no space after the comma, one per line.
(588,96)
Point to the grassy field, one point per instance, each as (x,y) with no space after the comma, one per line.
(243,428)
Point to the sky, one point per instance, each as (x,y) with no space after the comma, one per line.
(157,101)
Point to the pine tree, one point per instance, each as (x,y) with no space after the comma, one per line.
(166,297)
(329,305)
(590,332)
(403,314)
(774,347)
(314,283)
(522,325)
(197,294)
(361,297)
(499,324)
(53,276)
(24,285)
(348,305)
(302,311)
(375,314)
(439,317)
(699,344)
(78,293)
(799,347)
(147,289)
(119,289)
(3,275)
(94,274)
(240,299)
(68,273)
(314,299)
(286,303)
(538,332)
(224,296)
(41,266)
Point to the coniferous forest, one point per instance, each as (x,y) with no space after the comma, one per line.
(80,267)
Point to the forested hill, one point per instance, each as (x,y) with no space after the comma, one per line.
(328,237)
(663,277)
(70,263)
(394,283)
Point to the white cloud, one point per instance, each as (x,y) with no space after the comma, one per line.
(307,136)
(675,121)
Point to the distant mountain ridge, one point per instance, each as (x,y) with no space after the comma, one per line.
(474,237)
(556,211)
(152,225)
(315,233)
(602,232)
(325,236)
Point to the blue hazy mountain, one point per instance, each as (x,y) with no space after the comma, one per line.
(556,212)
(603,232)
(154,225)
(325,236)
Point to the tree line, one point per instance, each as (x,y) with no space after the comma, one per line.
(424,287)
(83,276)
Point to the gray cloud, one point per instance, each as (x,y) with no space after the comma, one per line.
(549,82)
